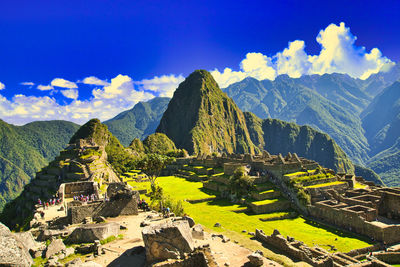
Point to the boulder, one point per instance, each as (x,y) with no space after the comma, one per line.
(12,251)
(190,221)
(26,239)
(256,259)
(55,247)
(198,232)
(88,233)
(169,240)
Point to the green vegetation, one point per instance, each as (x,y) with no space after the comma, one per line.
(222,211)
(328,184)
(138,122)
(110,239)
(202,119)
(26,149)
(240,183)
(158,143)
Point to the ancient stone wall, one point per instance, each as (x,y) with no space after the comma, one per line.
(123,206)
(390,205)
(79,188)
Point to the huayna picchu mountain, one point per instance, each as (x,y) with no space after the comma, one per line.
(202,119)
(88,157)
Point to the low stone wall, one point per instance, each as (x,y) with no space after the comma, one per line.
(78,188)
(271,207)
(296,249)
(388,257)
(265,195)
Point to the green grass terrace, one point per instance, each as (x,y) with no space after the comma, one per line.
(234,218)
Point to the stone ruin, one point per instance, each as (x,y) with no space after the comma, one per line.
(372,212)
(122,201)
(315,256)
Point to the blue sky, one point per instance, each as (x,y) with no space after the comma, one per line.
(76,60)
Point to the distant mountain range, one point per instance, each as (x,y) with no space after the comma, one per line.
(138,122)
(360,115)
(202,119)
(26,149)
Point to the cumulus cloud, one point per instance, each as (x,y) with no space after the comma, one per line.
(44,87)
(2,86)
(120,94)
(164,85)
(59,82)
(70,93)
(338,54)
(94,81)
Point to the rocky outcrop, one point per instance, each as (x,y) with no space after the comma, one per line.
(12,250)
(88,233)
(55,247)
(170,240)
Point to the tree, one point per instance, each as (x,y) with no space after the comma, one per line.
(152,164)
(240,183)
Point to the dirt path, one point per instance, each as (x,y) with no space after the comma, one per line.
(119,252)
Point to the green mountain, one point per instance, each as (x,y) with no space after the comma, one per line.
(138,122)
(381,121)
(202,119)
(362,116)
(25,149)
(329,103)
(94,154)
(277,136)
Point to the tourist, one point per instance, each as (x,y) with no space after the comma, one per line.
(39,201)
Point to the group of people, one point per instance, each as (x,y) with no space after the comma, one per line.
(50,202)
(143,205)
(84,198)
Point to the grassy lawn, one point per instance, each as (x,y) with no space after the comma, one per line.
(223,211)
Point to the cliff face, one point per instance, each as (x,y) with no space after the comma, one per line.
(277,136)
(202,119)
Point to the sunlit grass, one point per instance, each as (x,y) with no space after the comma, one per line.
(223,211)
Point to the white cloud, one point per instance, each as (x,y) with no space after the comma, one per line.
(121,94)
(2,86)
(338,54)
(44,87)
(28,84)
(70,93)
(164,85)
(59,82)
(94,81)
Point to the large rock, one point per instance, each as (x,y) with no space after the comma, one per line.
(26,239)
(55,247)
(170,240)
(12,251)
(256,259)
(88,233)
(198,232)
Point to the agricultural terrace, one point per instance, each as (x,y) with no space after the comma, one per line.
(234,220)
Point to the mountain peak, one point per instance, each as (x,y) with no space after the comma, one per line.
(202,119)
